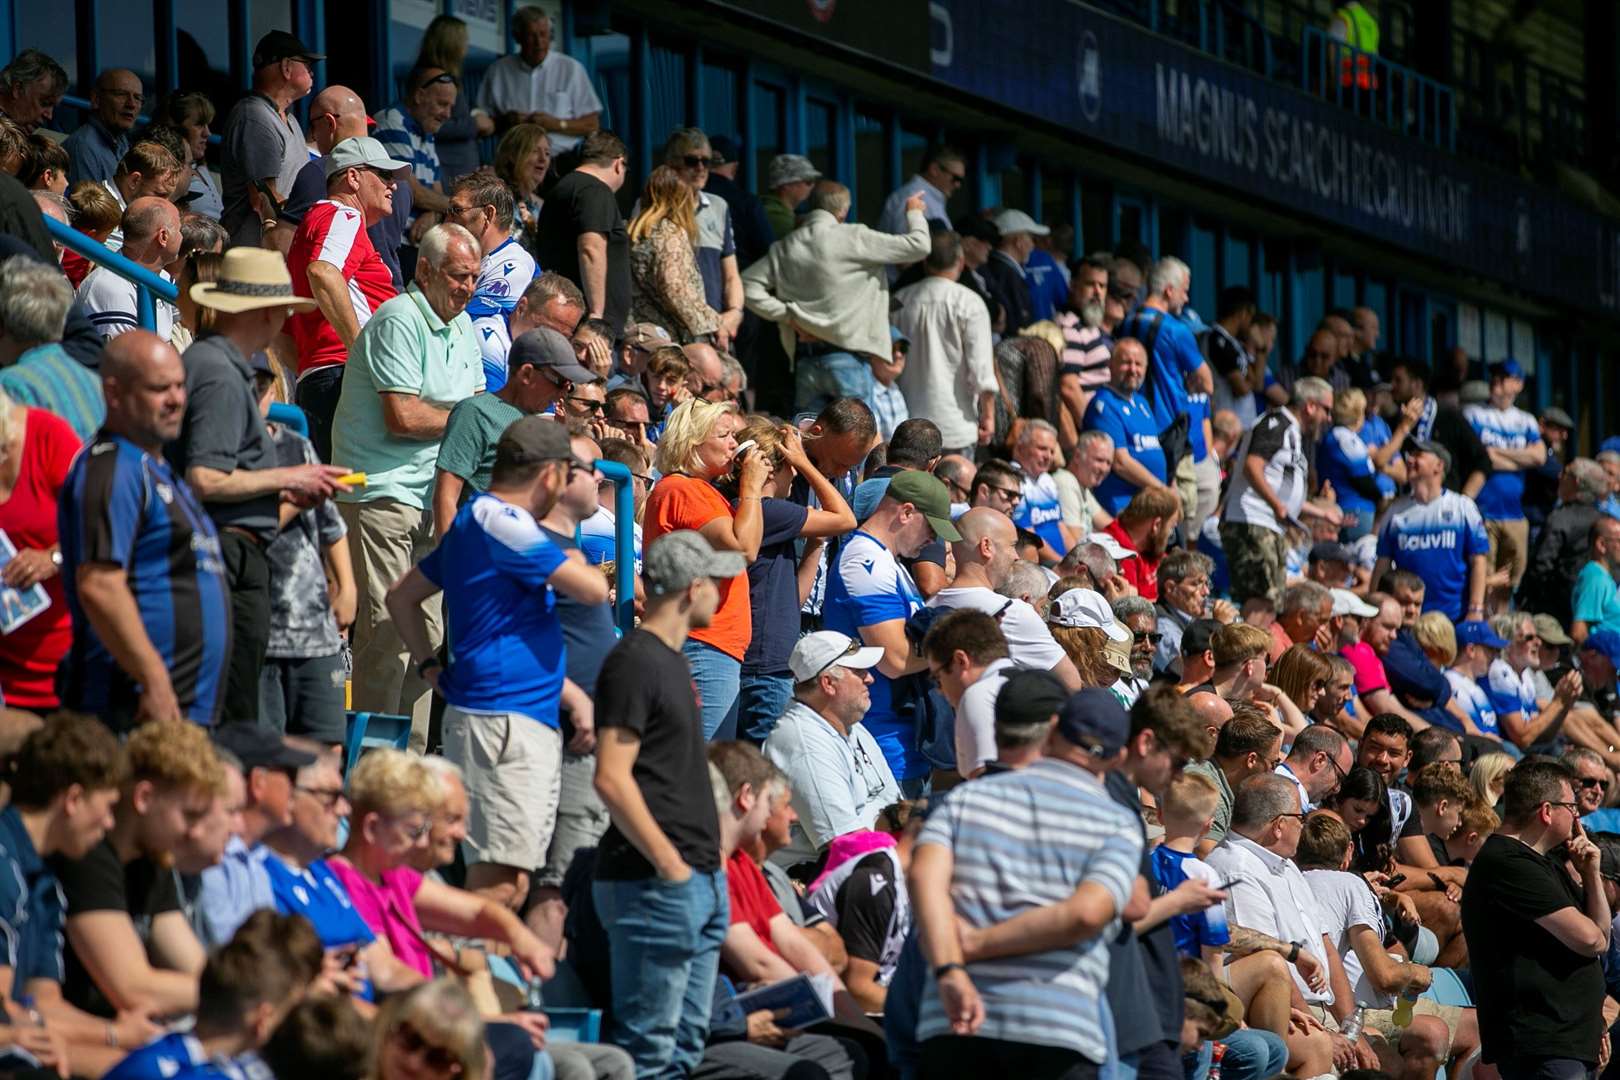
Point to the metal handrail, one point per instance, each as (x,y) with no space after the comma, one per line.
(146,282)
(83,105)
(1400,98)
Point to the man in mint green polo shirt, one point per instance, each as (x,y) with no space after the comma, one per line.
(414,360)
(1596,600)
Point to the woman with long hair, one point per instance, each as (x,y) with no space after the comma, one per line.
(1362,803)
(444,46)
(1303,674)
(666,287)
(522,159)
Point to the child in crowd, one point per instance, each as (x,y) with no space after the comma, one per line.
(1187,813)
(1475,823)
(96,214)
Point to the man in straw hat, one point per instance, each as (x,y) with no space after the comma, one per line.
(226,455)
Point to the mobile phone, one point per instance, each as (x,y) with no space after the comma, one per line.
(271,208)
(1223,886)
(1391,882)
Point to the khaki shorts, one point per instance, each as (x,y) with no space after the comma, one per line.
(1381,1022)
(1322,1016)
(513,769)
(1510,546)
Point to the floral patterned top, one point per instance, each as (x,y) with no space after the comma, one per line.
(666,288)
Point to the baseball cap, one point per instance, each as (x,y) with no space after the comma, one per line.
(1195,639)
(866,496)
(897,334)
(787,169)
(1507,369)
(1346,602)
(722,150)
(259,362)
(261,748)
(930,496)
(1611,443)
(1557,417)
(675,560)
(1478,632)
(976,227)
(1431,447)
(1082,608)
(1094,720)
(1009,222)
(1029,697)
(278,45)
(360,152)
(824,649)
(1332,551)
(545,348)
(1606,642)
(532,440)
(1116,550)
(646,335)
(1548,630)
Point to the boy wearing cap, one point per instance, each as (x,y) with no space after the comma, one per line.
(1477,647)
(1512,441)
(838,775)
(506,676)
(1438,535)
(659,886)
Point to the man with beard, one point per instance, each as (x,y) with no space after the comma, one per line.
(1086,345)
(1143,528)
(1121,412)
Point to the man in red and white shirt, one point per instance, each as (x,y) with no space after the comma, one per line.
(332,260)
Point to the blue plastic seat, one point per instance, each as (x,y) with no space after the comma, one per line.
(368,730)
(289,416)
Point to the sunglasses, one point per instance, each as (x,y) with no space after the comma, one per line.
(1148,635)
(433,1056)
(1008,493)
(697,161)
(1589,782)
(585,404)
(854,647)
(327,797)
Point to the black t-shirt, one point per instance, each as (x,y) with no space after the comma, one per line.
(587,629)
(1536,997)
(773,588)
(579,204)
(100,882)
(866,902)
(646,686)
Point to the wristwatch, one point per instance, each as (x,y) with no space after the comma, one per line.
(425,666)
(945,969)
(56,557)
(1293,952)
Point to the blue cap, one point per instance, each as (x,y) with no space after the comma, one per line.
(1507,369)
(1478,632)
(897,334)
(867,495)
(1606,642)
(1095,720)
(1611,443)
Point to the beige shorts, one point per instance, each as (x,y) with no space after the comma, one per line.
(513,769)
(1381,1022)
(1510,546)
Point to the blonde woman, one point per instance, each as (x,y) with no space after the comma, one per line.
(522,159)
(1343,459)
(666,287)
(1489,776)
(444,46)
(697,448)
(433,1032)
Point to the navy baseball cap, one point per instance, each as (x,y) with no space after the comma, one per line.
(1507,369)
(1479,632)
(1606,642)
(1094,720)
(1332,551)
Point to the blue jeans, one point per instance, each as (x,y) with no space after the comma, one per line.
(761,701)
(1251,1054)
(665,947)
(716,675)
(818,379)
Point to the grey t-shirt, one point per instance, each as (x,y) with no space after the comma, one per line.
(257,145)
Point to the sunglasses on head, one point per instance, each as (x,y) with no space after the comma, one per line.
(441,77)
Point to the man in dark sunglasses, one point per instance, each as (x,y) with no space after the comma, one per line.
(941,176)
(689,154)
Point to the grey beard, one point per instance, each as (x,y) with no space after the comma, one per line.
(1091,315)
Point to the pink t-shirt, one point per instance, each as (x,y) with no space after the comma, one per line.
(1369,669)
(389,908)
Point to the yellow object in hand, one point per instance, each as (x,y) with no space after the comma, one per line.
(354,479)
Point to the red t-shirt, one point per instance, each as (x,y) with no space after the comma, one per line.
(30,654)
(336,234)
(1138,571)
(752,901)
(685,502)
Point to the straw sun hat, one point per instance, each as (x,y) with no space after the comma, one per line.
(250,278)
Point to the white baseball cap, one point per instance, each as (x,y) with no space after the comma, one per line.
(1084,608)
(824,649)
(1016,221)
(1346,602)
(1116,550)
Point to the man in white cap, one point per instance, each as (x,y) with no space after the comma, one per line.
(227,457)
(1004,273)
(837,772)
(788,178)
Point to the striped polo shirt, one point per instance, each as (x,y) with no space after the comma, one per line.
(1085,351)
(1019,841)
(405,140)
(123,507)
(46,377)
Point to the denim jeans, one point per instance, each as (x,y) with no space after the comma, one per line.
(820,378)
(761,701)
(665,947)
(1251,1054)
(717,676)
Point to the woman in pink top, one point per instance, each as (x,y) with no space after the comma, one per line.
(394,796)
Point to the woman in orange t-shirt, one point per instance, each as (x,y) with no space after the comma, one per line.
(698,446)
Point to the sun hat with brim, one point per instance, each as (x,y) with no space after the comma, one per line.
(1549,630)
(250,278)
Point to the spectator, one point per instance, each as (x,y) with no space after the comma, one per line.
(971,1019)
(1184,587)
(1317,764)
(191,114)
(1541,483)
(1343,460)
(333,262)
(481,204)
(147,170)
(1444,425)
(444,46)
(34,368)
(551,301)
(538,85)
(1119,411)
(506,677)
(887,401)
(1565,542)
(1513,446)
(1515,882)
(823,285)
(1197,667)
(1596,599)
(1240,650)
(1135,614)
(95,147)
(749,223)
(38,449)
(436,1022)
(522,159)
(698,447)
(968,659)
(335,115)
(262,142)
(582,234)
(1004,272)
(46,166)
(1438,535)
(942,172)
(687,151)
(667,288)
(1519,715)
(31,86)
(226,454)
(1086,346)
(1269,490)
(1249,744)
(788,181)
(1477,649)
(151,227)
(125,546)
(1306,608)
(1143,528)
(664,843)
(407,132)
(320,1036)
(414,359)
(1240,378)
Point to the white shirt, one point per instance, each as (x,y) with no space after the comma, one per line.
(892,219)
(504,274)
(109,301)
(1305,804)
(1029,643)
(1345,902)
(839,784)
(952,360)
(115,239)
(1277,439)
(558,85)
(1269,895)
(976,719)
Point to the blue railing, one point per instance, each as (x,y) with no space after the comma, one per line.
(83,105)
(1384,92)
(148,285)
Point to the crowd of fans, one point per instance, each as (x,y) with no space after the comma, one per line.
(1027,676)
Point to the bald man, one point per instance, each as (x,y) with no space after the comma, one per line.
(335,114)
(96,147)
(151,239)
(708,371)
(1214,711)
(985,556)
(141,564)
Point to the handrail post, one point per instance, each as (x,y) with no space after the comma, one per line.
(145,311)
(624,543)
(76,241)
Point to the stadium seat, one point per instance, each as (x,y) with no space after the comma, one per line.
(369,730)
(290,416)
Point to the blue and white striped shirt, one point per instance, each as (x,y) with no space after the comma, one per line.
(404,138)
(1023,840)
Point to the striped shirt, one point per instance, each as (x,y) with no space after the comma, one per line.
(109,301)
(46,377)
(405,140)
(1085,351)
(1022,840)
